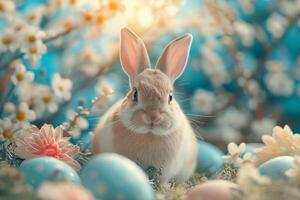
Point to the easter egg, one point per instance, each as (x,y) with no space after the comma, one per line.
(276,167)
(112,176)
(38,170)
(212,190)
(209,159)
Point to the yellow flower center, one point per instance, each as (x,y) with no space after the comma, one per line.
(88,17)
(6,41)
(21,115)
(33,50)
(7,134)
(73,2)
(46,99)
(18,28)
(2,8)
(20,76)
(100,19)
(113,5)
(32,17)
(68,25)
(61,88)
(31,38)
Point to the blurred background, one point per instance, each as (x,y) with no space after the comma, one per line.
(242,78)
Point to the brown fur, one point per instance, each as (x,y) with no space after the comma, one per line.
(153,149)
(147,126)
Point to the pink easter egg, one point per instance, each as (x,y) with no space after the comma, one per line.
(212,190)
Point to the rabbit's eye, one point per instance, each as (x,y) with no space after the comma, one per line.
(135,95)
(170,97)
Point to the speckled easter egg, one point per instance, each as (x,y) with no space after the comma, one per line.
(38,170)
(209,159)
(112,176)
(213,190)
(277,167)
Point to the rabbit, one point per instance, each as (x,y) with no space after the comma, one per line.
(148,125)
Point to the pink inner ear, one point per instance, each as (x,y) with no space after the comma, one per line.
(133,53)
(130,54)
(177,57)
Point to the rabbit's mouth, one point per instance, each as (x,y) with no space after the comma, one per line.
(152,126)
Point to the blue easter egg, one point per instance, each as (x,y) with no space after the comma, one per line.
(112,176)
(38,170)
(209,159)
(277,167)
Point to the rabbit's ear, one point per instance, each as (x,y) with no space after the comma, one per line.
(133,53)
(174,57)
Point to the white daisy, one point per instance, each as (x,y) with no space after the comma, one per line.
(34,52)
(24,113)
(46,98)
(7,129)
(8,41)
(9,107)
(35,16)
(21,76)
(7,7)
(31,36)
(62,87)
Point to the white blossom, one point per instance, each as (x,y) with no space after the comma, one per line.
(234,152)
(62,87)
(294,172)
(279,83)
(245,31)
(44,96)
(213,66)
(263,126)
(21,76)
(9,107)
(249,176)
(7,129)
(89,61)
(276,24)
(34,52)
(32,35)
(233,117)
(203,101)
(7,7)
(247,158)
(77,125)
(289,7)
(8,40)
(24,114)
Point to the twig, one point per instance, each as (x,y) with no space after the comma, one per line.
(12,88)
(85,84)
(260,64)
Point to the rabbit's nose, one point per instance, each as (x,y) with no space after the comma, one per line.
(154,116)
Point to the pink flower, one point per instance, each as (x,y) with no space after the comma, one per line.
(48,142)
(63,191)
